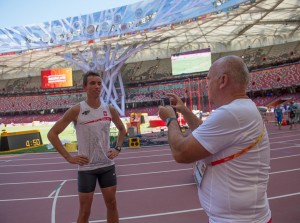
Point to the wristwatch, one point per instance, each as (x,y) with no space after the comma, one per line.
(168,120)
(118,148)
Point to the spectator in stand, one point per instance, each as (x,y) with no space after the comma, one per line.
(278,115)
(231,147)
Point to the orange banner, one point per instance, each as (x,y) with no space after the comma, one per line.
(57,78)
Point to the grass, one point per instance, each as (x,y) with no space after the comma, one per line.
(67,135)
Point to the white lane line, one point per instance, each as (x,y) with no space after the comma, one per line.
(59,157)
(47,171)
(99,193)
(53,192)
(36,182)
(123,191)
(1,184)
(137,164)
(4,161)
(39,171)
(283,196)
(34,164)
(43,158)
(54,201)
(134,164)
(285,171)
(119,175)
(36,198)
(129,153)
(286,147)
(42,164)
(138,157)
(283,157)
(290,133)
(154,172)
(120,158)
(142,151)
(37,164)
(285,141)
(154,188)
(153,215)
(185,211)
(297,146)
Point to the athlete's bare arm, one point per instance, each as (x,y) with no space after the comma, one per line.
(122,132)
(53,136)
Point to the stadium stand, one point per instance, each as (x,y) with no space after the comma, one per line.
(275,73)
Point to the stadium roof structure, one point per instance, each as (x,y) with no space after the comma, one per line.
(177,25)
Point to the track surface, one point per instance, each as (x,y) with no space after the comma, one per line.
(152,187)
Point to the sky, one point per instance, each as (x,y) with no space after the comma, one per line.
(28,12)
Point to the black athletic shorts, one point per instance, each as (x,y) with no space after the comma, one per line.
(106,177)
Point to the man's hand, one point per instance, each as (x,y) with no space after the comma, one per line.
(79,159)
(112,153)
(176,102)
(166,112)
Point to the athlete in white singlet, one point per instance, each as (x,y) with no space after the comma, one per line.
(95,162)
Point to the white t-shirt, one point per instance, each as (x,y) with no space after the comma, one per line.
(235,191)
(92,131)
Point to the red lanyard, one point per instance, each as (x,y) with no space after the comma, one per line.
(240,152)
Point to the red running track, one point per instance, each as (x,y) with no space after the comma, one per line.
(152,187)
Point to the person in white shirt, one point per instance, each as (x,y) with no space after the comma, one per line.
(231,147)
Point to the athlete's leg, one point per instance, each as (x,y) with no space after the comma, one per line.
(85,203)
(291,123)
(108,184)
(109,195)
(279,122)
(86,187)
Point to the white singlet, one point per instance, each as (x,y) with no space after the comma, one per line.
(92,131)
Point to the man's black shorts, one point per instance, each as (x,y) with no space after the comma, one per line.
(106,177)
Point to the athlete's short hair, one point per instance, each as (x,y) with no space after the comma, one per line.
(88,74)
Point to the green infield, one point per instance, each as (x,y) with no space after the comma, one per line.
(67,135)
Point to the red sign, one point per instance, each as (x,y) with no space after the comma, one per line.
(57,78)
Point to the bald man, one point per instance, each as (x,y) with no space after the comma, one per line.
(230,149)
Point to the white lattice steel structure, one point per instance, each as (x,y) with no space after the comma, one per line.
(108,62)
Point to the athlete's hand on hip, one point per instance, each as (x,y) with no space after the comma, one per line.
(112,153)
(79,159)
